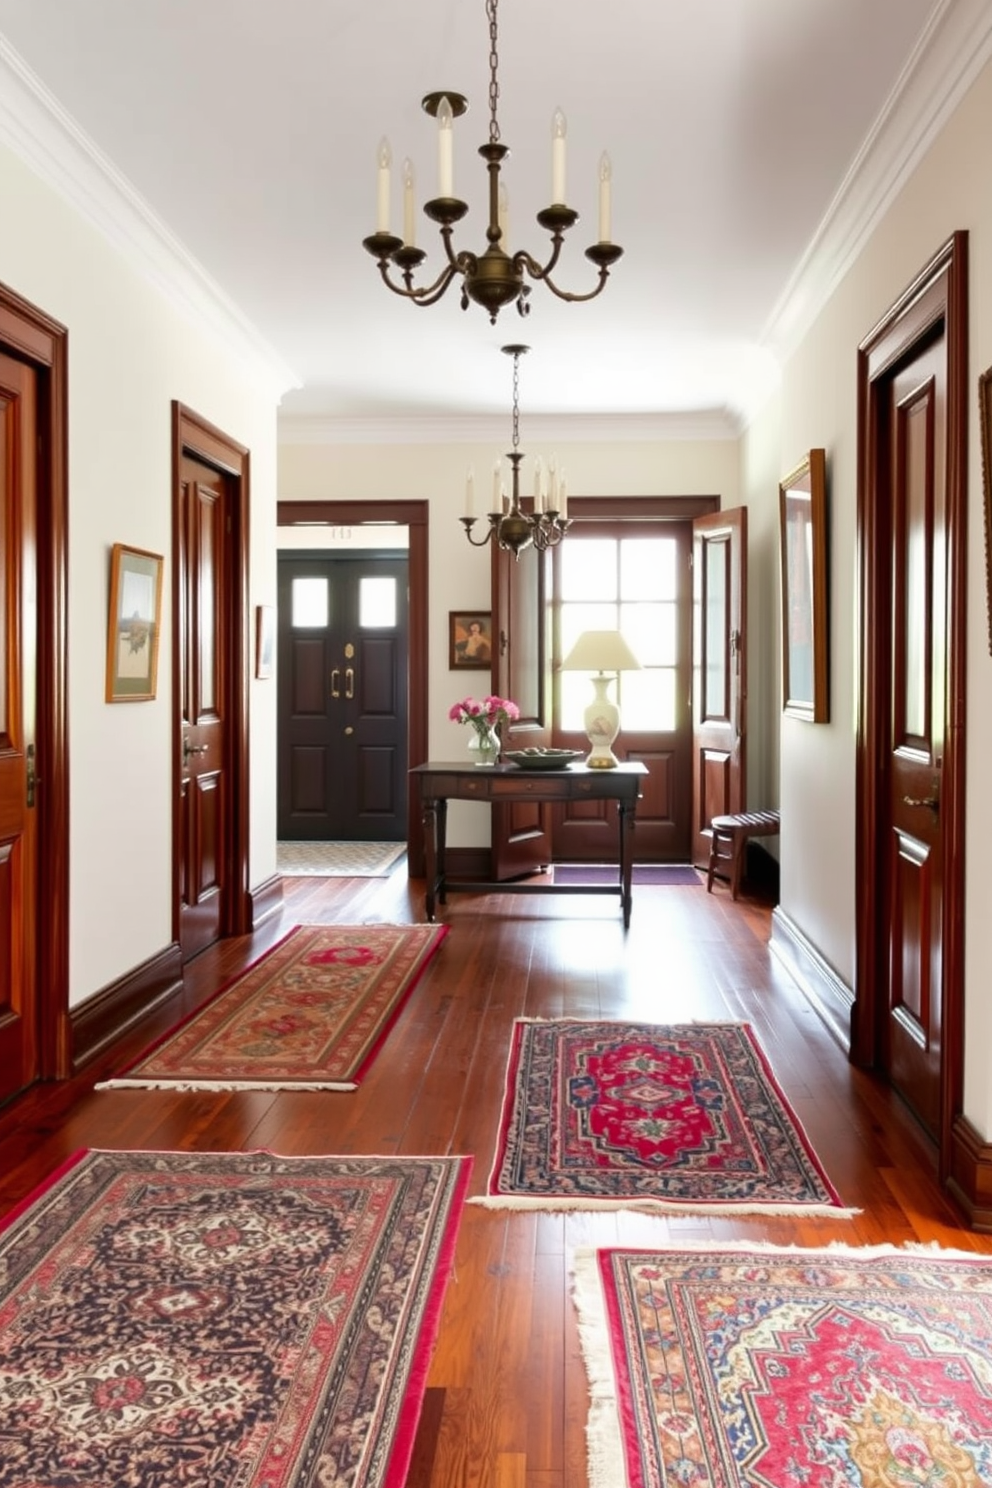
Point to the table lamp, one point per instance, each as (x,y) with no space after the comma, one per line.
(602,653)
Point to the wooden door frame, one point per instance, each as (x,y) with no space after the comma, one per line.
(415,515)
(937,295)
(33,337)
(195,436)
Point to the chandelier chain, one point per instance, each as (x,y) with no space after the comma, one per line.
(493,72)
(516,400)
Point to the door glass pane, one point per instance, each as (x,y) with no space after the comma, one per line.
(917,596)
(376,602)
(310,603)
(647,568)
(716,622)
(589,570)
(647,700)
(649,630)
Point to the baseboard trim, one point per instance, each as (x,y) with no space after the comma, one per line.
(819,982)
(970,1180)
(265,900)
(109,1013)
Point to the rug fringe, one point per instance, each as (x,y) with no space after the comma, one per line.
(604,1441)
(224,1085)
(661,1206)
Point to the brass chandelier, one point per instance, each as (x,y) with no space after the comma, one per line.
(510,526)
(494,278)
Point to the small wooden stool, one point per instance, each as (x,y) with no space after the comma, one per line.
(729,840)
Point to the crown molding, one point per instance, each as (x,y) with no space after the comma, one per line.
(647,428)
(950,53)
(40,132)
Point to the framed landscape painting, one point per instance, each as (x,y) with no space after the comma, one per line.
(134,623)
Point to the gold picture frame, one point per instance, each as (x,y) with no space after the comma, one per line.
(985,422)
(470,640)
(134,624)
(803,521)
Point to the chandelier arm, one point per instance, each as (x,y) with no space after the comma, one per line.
(569,295)
(427,295)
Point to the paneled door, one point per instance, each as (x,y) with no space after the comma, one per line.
(719,665)
(204,792)
(342,678)
(18,639)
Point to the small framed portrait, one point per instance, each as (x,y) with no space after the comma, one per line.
(265,639)
(470,640)
(134,624)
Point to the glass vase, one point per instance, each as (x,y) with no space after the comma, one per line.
(485,746)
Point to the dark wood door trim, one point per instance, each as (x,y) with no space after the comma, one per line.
(414,515)
(193,435)
(26,333)
(935,301)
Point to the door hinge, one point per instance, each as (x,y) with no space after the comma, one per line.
(32,778)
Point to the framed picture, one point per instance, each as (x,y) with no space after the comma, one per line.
(265,639)
(803,512)
(985,419)
(470,640)
(134,624)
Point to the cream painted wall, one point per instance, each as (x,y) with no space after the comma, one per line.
(130,354)
(458,574)
(948,191)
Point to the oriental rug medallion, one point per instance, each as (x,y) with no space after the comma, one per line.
(309,1015)
(761,1367)
(219,1320)
(645,1116)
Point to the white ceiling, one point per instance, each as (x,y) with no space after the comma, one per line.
(753,143)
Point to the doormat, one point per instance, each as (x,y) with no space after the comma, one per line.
(738,1366)
(686,1117)
(337,859)
(214,1319)
(676,874)
(311,1014)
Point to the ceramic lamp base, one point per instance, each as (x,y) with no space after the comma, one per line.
(602,724)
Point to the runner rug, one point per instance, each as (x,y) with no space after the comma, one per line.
(309,1015)
(222,1320)
(642,1116)
(743,1367)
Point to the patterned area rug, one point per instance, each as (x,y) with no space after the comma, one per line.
(640,1116)
(337,859)
(204,1320)
(309,1015)
(744,1367)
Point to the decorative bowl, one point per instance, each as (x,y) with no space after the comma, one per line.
(542,759)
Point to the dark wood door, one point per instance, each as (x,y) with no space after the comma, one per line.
(719,668)
(18,646)
(342,677)
(203,531)
(912,1044)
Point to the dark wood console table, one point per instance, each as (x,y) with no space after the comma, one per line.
(441,783)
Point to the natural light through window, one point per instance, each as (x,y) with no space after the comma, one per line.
(376,602)
(311,603)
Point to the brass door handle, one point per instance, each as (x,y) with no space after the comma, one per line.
(32,778)
(189,749)
(349,682)
(932,803)
(335,690)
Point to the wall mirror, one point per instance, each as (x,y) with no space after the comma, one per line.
(803,515)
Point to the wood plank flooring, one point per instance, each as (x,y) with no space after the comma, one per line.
(506,1401)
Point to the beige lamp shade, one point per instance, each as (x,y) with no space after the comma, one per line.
(604,652)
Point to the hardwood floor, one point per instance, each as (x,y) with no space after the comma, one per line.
(507,1398)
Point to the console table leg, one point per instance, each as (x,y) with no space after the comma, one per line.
(430,855)
(626,814)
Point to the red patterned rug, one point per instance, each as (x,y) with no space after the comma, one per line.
(759,1367)
(309,1015)
(643,1116)
(222,1320)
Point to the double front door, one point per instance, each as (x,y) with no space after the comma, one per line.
(342,670)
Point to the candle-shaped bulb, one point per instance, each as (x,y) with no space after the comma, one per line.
(538,485)
(409,225)
(384,159)
(445,149)
(605,197)
(553,484)
(562,497)
(503,219)
(559,128)
(470,492)
(497,501)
